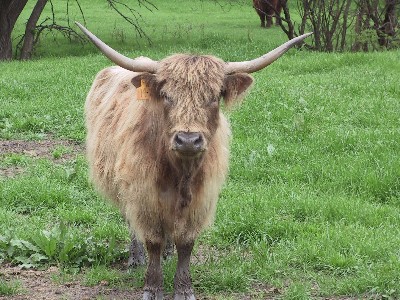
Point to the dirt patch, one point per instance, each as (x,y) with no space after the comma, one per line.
(55,150)
(10,171)
(38,285)
(35,285)
(44,148)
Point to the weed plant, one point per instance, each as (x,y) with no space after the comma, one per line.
(9,288)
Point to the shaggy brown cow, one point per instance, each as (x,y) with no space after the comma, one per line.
(158,146)
(266,9)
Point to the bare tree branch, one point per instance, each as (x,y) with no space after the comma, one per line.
(11,9)
(136,16)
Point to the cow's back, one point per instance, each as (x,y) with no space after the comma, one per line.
(265,6)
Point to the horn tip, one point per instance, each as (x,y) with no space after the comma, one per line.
(300,38)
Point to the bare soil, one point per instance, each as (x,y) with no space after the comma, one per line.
(38,285)
(43,148)
(37,149)
(35,285)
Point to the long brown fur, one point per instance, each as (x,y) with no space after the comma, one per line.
(266,9)
(129,144)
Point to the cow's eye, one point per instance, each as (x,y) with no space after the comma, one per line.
(167,100)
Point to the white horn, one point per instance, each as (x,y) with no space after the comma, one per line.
(140,64)
(265,60)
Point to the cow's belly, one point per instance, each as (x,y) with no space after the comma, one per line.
(155,216)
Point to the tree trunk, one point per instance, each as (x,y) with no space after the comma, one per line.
(305,16)
(27,48)
(290,30)
(358,27)
(286,12)
(389,23)
(9,13)
(5,34)
(344,26)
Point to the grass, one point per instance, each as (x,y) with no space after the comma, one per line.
(102,274)
(9,288)
(312,203)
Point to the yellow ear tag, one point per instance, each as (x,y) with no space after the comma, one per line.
(142,92)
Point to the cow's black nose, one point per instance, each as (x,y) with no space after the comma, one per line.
(188,143)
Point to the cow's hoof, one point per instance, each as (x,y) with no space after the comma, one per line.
(184,296)
(147,295)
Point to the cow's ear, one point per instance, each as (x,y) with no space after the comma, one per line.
(235,87)
(147,83)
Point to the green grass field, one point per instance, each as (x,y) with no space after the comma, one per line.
(312,205)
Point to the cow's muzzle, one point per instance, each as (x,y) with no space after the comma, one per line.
(188,143)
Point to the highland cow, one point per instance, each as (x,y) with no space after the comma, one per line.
(266,9)
(158,147)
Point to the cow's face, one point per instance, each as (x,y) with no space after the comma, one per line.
(189,89)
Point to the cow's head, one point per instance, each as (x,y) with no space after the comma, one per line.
(189,89)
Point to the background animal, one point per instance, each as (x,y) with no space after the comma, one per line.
(266,9)
(158,147)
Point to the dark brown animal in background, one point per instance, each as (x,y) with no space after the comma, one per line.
(266,9)
(158,147)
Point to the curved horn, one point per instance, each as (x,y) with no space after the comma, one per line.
(140,64)
(265,60)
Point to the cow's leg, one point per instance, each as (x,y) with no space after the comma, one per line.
(183,289)
(262,19)
(269,20)
(153,280)
(137,256)
(261,14)
(278,20)
(136,253)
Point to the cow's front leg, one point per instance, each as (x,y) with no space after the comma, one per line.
(153,281)
(183,289)
(137,256)
(278,20)
(269,21)
(262,19)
